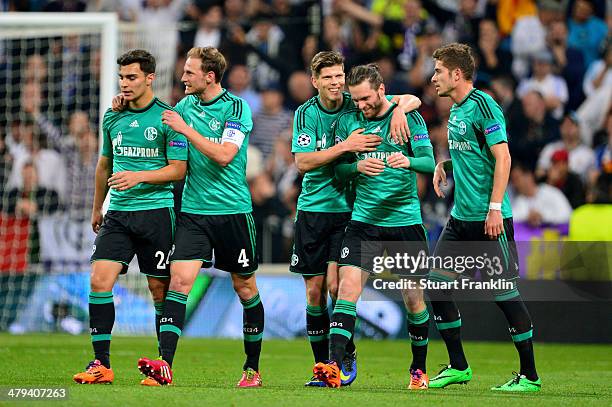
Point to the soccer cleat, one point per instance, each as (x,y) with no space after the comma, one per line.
(520,383)
(250,378)
(149,381)
(448,376)
(418,380)
(95,373)
(314,382)
(328,373)
(157,369)
(348,370)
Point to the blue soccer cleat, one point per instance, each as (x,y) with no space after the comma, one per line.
(348,371)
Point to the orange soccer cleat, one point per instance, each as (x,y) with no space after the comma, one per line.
(329,373)
(418,380)
(95,373)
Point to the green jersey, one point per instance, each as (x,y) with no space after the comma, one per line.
(312,131)
(475,124)
(211,189)
(389,199)
(137,140)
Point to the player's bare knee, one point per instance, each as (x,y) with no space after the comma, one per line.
(158,289)
(414,300)
(245,288)
(100,281)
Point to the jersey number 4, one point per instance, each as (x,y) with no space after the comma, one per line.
(242,258)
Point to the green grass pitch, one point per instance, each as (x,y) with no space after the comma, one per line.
(206,371)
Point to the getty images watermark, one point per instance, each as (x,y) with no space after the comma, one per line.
(406,265)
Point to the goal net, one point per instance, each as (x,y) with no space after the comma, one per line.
(58,74)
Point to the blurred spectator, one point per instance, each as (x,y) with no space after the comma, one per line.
(271,57)
(493,60)
(24,144)
(5,166)
(586,32)
(300,90)
(529,36)
(154,13)
(568,182)
(270,121)
(461,25)
(403,33)
(508,12)
(535,204)
(568,62)
(30,201)
(599,74)
(239,83)
(598,90)
(126,9)
(395,84)
(581,157)
(209,31)
(422,70)
(552,87)
(503,89)
(536,129)
(603,153)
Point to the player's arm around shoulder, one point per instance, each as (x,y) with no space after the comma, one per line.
(400,131)
(422,160)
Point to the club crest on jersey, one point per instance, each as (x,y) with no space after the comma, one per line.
(338,140)
(462,128)
(303,140)
(390,139)
(150,133)
(214,124)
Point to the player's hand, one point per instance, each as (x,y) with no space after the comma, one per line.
(371,166)
(119,104)
(96,220)
(494,224)
(439,177)
(399,127)
(124,180)
(398,160)
(358,142)
(175,121)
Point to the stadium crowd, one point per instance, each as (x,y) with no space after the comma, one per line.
(547,63)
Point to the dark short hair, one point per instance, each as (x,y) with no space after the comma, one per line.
(361,73)
(455,56)
(212,60)
(140,56)
(325,59)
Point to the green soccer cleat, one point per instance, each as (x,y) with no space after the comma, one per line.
(448,376)
(520,383)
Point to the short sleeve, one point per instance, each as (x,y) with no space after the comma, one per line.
(489,119)
(304,132)
(177,146)
(238,123)
(107,144)
(419,136)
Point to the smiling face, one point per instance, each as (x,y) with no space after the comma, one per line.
(133,82)
(368,99)
(194,78)
(330,83)
(443,79)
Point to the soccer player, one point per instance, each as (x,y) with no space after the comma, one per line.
(140,158)
(480,163)
(216,209)
(386,209)
(323,209)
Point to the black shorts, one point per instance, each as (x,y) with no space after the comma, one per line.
(232,237)
(366,246)
(461,239)
(148,234)
(317,239)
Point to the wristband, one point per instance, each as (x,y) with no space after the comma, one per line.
(495,206)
